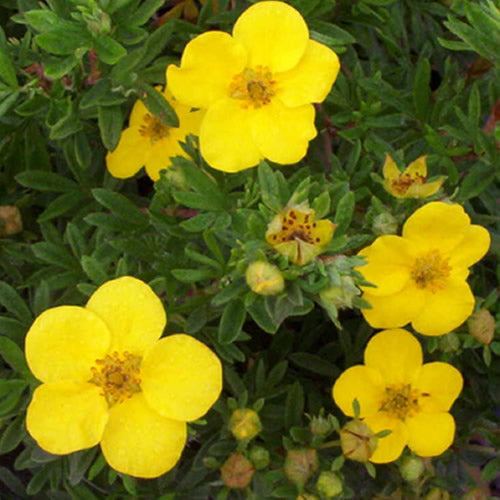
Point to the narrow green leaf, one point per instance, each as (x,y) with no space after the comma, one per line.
(231,322)
(344,213)
(13,302)
(94,269)
(120,205)
(108,50)
(65,39)
(158,105)
(7,69)
(110,120)
(42,19)
(422,89)
(13,356)
(62,204)
(269,190)
(42,180)
(193,275)
(294,406)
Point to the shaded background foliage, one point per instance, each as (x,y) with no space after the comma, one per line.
(417,78)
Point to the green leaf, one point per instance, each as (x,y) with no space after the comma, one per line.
(422,89)
(193,275)
(62,204)
(7,69)
(344,213)
(194,200)
(12,435)
(121,206)
(294,406)
(42,180)
(158,105)
(321,205)
(231,321)
(55,254)
(14,357)
(12,301)
(65,39)
(55,67)
(108,50)
(230,292)
(198,223)
(42,19)
(145,11)
(94,269)
(269,190)
(476,181)
(110,120)
(8,102)
(314,363)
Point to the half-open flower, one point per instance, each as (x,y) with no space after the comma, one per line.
(412,182)
(396,392)
(148,142)
(421,276)
(107,378)
(257,86)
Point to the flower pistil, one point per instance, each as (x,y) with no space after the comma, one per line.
(430,271)
(400,401)
(253,86)
(153,128)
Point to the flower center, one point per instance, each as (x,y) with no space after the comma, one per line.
(296,226)
(253,86)
(400,401)
(430,271)
(118,376)
(405,181)
(153,128)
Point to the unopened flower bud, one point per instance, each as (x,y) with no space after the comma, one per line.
(482,326)
(320,426)
(357,441)
(449,342)
(259,456)
(437,494)
(244,424)
(329,484)
(411,468)
(341,296)
(237,471)
(307,496)
(10,220)
(300,465)
(264,278)
(384,223)
(175,177)
(475,494)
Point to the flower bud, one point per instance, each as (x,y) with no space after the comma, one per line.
(384,223)
(237,471)
(10,220)
(306,496)
(411,468)
(341,296)
(259,456)
(244,424)
(329,484)
(437,494)
(300,465)
(449,342)
(175,177)
(357,441)
(320,426)
(264,278)
(482,326)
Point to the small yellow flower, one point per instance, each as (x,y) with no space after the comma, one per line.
(257,87)
(412,182)
(106,378)
(421,276)
(149,142)
(396,392)
(298,235)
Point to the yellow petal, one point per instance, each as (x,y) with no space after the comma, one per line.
(440,384)
(140,442)
(362,383)
(392,311)
(322,232)
(390,447)
(225,139)
(128,157)
(430,434)
(311,79)
(208,64)
(424,190)
(472,248)
(437,225)
(390,169)
(134,314)
(389,259)
(64,417)
(181,377)
(64,342)
(446,309)
(417,168)
(139,111)
(395,354)
(282,134)
(274,34)
(160,156)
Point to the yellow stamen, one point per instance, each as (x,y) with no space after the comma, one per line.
(253,86)
(402,183)
(296,226)
(118,376)
(431,271)
(153,128)
(401,401)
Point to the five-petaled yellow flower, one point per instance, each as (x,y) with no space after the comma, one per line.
(149,142)
(396,392)
(296,234)
(412,182)
(257,86)
(421,276)
(108,379)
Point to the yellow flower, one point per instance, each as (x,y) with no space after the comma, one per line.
(395,391)
(410,183)
(257,86)
(298,235)
(149,142)
(108,379)
(421,276)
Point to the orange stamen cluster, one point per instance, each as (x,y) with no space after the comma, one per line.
(118,376)
(253,86)
(153,128)
(296,226)
(400,401)
(405,181)
(430,271)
